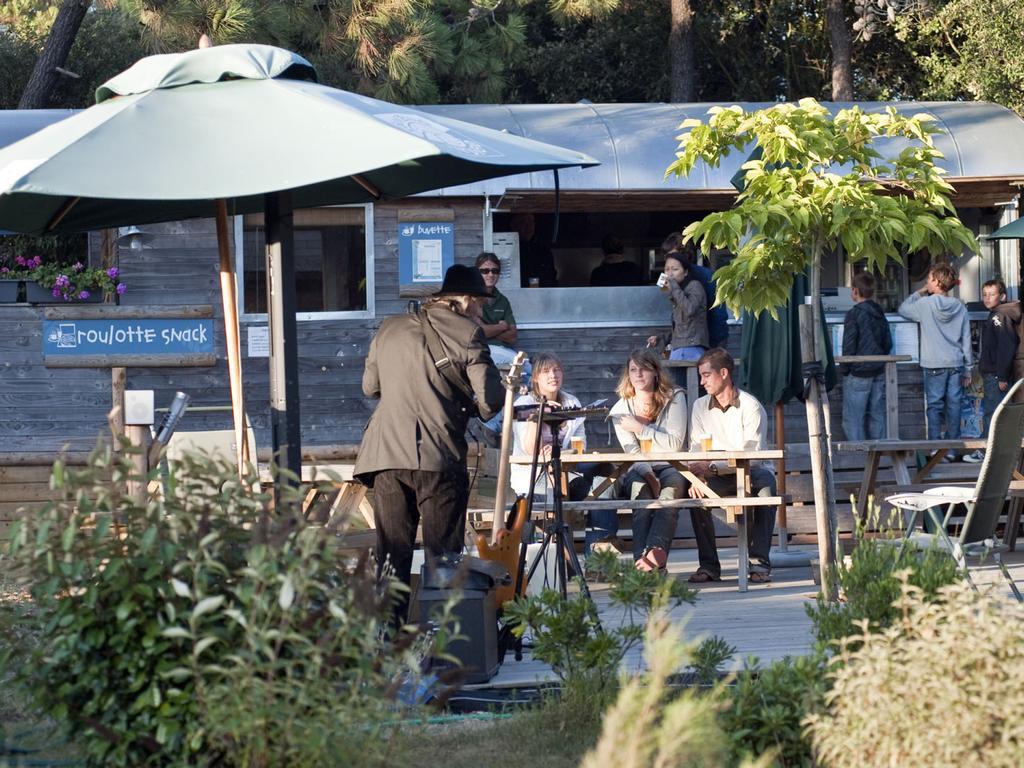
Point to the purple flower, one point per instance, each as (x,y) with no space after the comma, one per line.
(55,292)
(62,281)
(83,295)
(78,266)
(4,270)
(35,261)
(19,260)
(121,288)
(113,272)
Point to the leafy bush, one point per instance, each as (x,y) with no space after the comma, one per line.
(869,586)
(652,724)
(940,686)
(766,707)
(585,653)
(190,631)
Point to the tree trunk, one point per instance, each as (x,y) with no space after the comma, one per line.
(839,36)
(681,54)
(43,81)
(811,346)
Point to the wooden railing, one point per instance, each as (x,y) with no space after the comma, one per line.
(892,402)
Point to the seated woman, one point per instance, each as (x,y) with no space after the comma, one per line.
(546,385)
(651,409)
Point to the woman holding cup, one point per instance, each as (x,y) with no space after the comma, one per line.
(688,338)
(650,417)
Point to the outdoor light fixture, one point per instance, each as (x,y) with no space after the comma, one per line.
(133,237)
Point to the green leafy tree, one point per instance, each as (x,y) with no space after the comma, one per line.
(816,182)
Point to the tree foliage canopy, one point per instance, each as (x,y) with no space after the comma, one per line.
(813,183)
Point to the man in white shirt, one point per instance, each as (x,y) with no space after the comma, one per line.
(735,421)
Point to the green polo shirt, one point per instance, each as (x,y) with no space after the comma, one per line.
(496,309)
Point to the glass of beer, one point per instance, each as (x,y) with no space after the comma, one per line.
(646,444)
(706,443)
(577,445)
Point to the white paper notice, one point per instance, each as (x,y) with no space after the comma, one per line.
(904,338)
(258,337)
(426,261)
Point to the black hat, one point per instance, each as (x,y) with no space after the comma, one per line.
(461,280)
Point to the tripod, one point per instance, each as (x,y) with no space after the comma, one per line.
(556,529)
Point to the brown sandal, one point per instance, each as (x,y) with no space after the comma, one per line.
(759,577)
(654,559)
(701,577)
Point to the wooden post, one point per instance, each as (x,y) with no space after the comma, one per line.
(138,488)
(824,499)
(780,475)
(692,383)
(231,337)
(892,401)
(117,380)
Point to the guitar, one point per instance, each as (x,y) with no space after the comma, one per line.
(506,550)
(512,381)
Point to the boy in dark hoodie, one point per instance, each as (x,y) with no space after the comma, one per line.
(999,344)
(945,357)
(865,332)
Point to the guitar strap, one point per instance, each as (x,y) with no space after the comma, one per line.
(443,363)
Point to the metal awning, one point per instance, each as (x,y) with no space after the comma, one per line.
(983,145)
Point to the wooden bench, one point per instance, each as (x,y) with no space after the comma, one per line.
(25,483)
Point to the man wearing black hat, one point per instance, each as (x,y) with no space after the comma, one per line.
(431,371)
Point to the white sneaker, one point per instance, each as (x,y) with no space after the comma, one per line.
(975,458)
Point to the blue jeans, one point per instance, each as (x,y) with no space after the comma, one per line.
(993,396)
(864,407)
(687,353)
(654,527)
(943,395)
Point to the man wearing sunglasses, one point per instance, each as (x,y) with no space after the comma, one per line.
(499,326)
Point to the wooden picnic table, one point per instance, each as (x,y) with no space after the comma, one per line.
(899,453)
(735,507)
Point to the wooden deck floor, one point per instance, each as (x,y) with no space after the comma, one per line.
(768,621)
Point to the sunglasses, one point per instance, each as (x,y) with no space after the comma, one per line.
(490,271)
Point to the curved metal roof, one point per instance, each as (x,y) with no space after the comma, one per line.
(636,142)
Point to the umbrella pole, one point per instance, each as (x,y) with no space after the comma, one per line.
(780,474)
(231,336)
(284,357)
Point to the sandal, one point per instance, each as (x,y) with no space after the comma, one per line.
(759,577)
(701,576)
(654,559)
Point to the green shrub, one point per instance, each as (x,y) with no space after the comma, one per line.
(869,587)
(765,709)
(584,652)
(940,686)
(652,724)
(190,630)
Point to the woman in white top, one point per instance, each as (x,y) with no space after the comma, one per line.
(546,385)
(651,407)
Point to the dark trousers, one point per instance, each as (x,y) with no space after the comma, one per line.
(760,522)
(402,498)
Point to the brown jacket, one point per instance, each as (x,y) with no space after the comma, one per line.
(420,422)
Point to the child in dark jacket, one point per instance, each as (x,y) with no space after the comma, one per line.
(999,344)
(865,332)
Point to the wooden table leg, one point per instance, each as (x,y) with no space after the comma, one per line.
(607,482)
(741,525)
(867,485)
(899,467)
(924,471)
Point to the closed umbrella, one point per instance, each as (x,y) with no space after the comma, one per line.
(772,368)
(247,124)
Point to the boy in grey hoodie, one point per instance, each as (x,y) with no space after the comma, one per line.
(945,348)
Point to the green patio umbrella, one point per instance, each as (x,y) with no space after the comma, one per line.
(249,125)
(1012,231)
(772,369)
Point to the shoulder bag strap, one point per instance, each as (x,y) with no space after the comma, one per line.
(442,362)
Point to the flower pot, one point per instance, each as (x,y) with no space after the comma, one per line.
(9,291)
(37,294)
